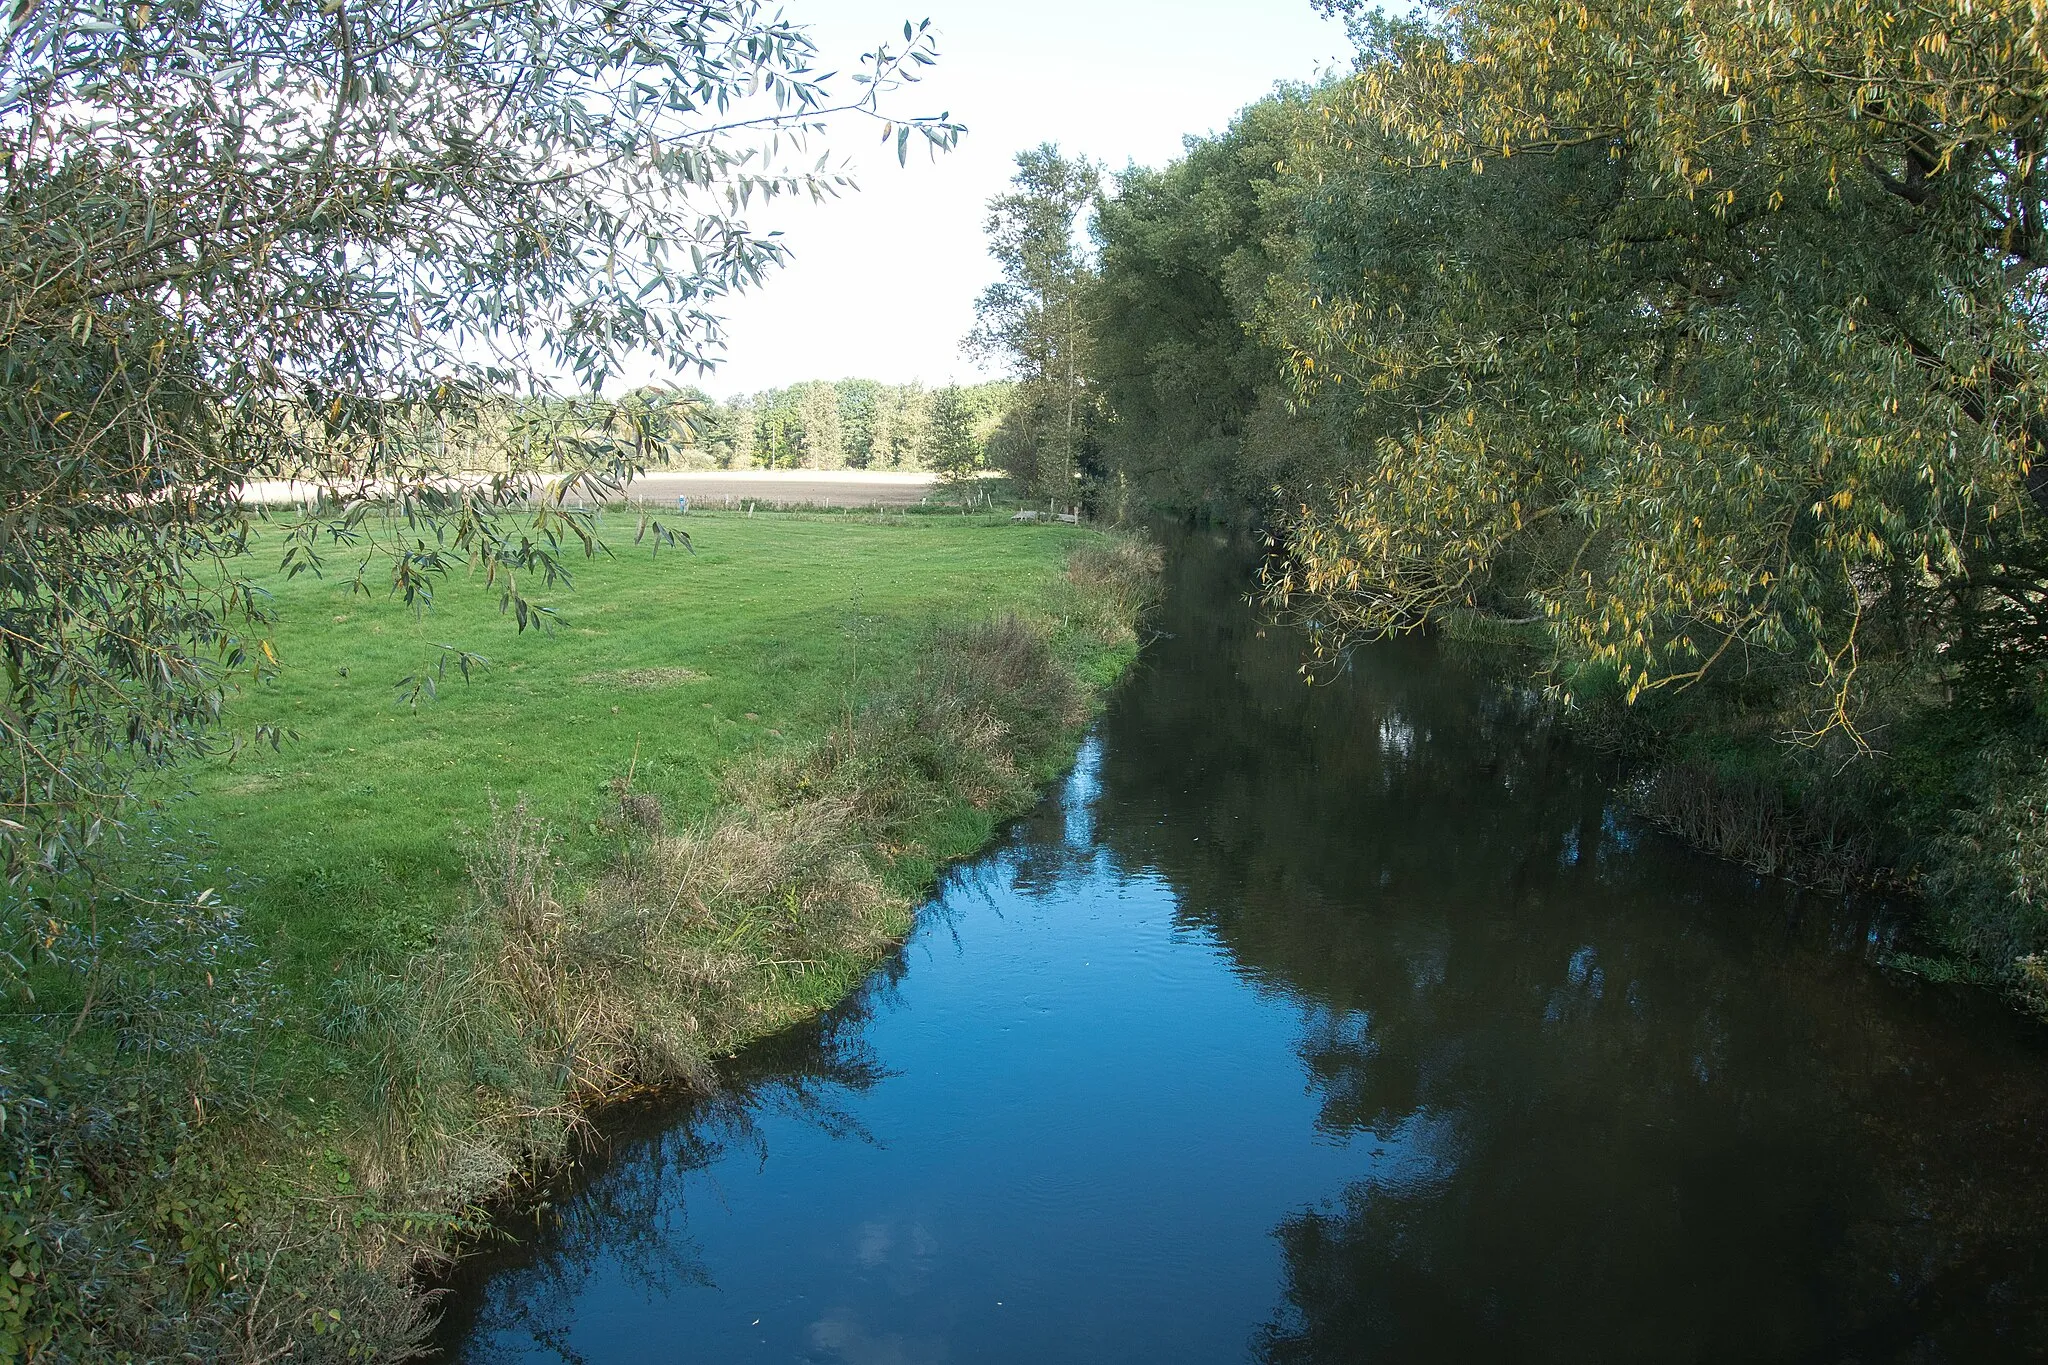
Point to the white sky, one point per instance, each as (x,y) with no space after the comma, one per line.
(884,280)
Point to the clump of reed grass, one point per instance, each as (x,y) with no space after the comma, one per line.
(1115,579)
(1805,838)
(535,1005)
(976,721)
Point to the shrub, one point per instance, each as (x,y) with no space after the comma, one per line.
(1987,875)
(129,1228)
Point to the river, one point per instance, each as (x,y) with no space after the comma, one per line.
(1344,1023)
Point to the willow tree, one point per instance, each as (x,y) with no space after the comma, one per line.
(1709,335)
(305,240)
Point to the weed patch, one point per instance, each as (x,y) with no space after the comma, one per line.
(1114,580)
(643,678)
(1752,819)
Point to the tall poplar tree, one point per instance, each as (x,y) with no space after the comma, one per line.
(954,452)
(1034,321)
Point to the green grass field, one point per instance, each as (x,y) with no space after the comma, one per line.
(351,842)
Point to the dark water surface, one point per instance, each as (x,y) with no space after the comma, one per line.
(1337,1024)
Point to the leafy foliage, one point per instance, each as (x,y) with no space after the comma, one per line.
(1705,369)
(130,1233)
(1194,387)
(1706,340)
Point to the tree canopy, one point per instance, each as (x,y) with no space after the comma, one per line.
(1706,341)
(1712,335)
(1034,320)
(1707,338)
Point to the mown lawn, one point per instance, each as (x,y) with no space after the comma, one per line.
(351,843)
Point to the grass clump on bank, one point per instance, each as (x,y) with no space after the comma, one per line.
(264,1184)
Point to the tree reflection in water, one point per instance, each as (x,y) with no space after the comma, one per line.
(620,1211)
(1648,1107)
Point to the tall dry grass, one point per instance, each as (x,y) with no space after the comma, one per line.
(1750,819)
(1114,580)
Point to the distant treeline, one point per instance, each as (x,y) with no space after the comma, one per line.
(851,424)
(819,424)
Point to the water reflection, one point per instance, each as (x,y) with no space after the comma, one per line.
(621,1219)
(1685,1122)
(1345,1023)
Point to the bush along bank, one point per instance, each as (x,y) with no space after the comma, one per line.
(1939,802)
(1944,805)
(156,1204)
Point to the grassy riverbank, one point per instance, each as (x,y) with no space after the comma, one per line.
(699,809)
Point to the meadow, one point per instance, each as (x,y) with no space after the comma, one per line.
(351,841)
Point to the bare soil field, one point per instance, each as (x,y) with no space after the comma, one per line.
(813,487)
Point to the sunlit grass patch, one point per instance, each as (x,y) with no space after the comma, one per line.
(348,842)
(643,677)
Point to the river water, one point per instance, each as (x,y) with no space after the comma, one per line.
(1342,1023)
